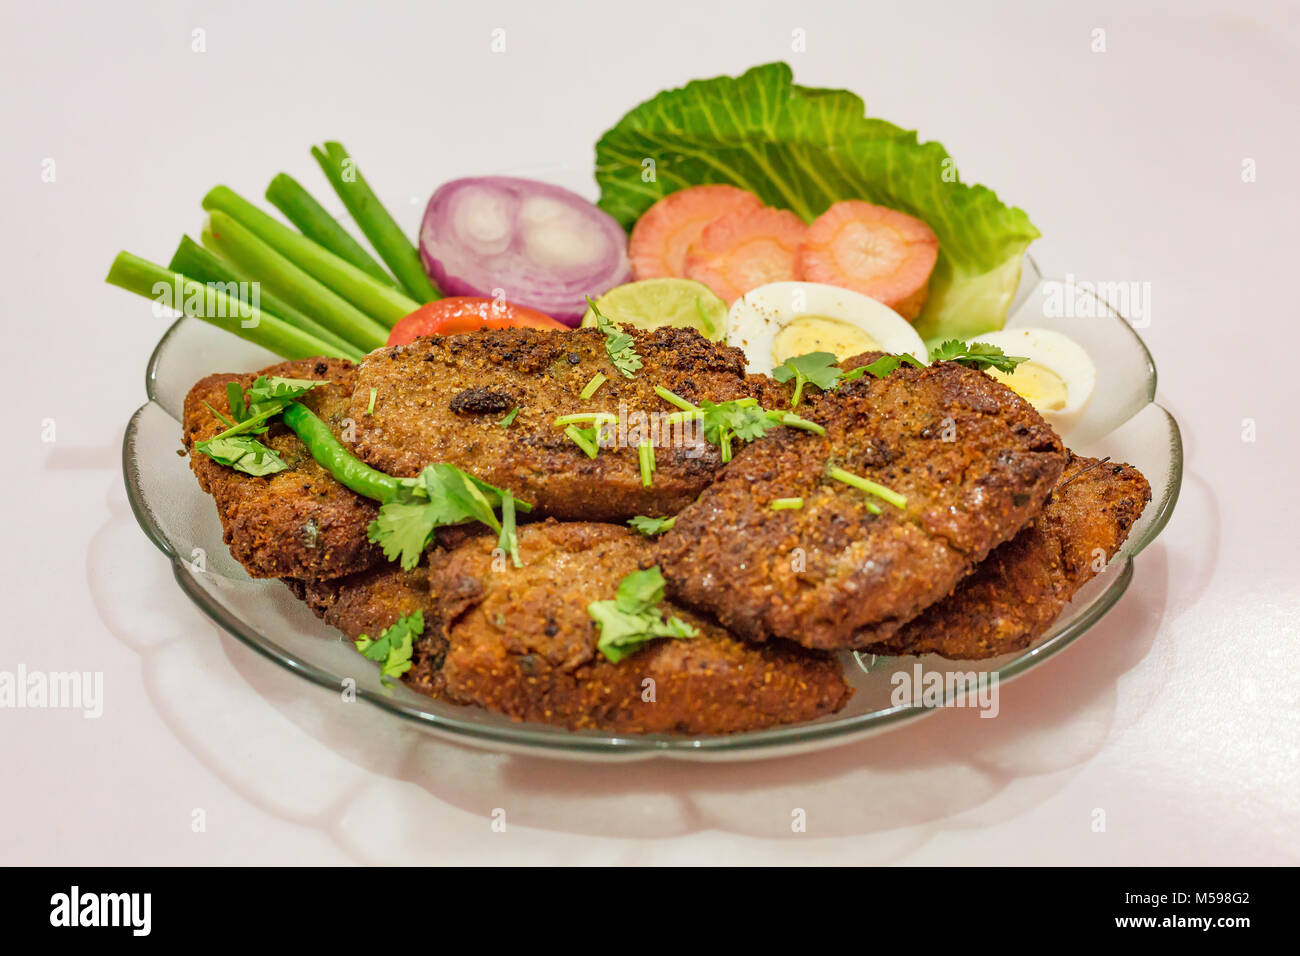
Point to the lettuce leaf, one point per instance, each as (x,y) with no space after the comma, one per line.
(803,149)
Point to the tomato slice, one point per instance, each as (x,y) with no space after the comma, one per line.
(466,314)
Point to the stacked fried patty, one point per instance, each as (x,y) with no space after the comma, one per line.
(442,399)
(995,536)
(1023,586)
(974,461)
(299,523)
(519,641)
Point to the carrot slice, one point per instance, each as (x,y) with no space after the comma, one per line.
(662,235)
(744,250)
(882,253)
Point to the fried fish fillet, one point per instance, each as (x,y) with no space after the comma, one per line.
(370,601)
(297,523)
(1013,597)
(441,399)
(519,641)
(973,460)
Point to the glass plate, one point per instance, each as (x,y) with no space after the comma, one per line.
(1122,421)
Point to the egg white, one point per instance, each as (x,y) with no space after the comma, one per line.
(1062,355)
(757,317)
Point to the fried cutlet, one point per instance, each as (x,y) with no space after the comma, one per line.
(974,461)
(369,602)
(299,522)
(521,642)
(1021,588)
(441,399)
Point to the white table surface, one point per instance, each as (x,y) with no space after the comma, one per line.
(1178,715)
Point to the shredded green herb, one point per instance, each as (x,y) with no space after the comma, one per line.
(869,486)
(645,453)
(584,438)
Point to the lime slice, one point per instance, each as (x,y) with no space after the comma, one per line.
(654,303)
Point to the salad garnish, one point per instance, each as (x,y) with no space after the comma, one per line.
(763,133)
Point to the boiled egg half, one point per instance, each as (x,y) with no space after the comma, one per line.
(1058,379)
(783,319)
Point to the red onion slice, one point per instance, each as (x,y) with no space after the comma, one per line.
(531,243)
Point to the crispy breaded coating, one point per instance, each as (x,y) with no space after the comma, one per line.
(1021,588)
(440,399)
(369,602)
(520,641)
(299,522)
(974,461)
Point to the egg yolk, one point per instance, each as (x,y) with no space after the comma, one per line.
(1036,384)
(820,333)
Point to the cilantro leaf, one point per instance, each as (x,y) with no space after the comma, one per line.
(439,496)
(814,368)
(403,530)
(273,393)
(633,618)
(394,646)
(252,408)
(741,418)
(243,453)
(978,355)
(882,366)
(618,344)
(510,417)
(651,526)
